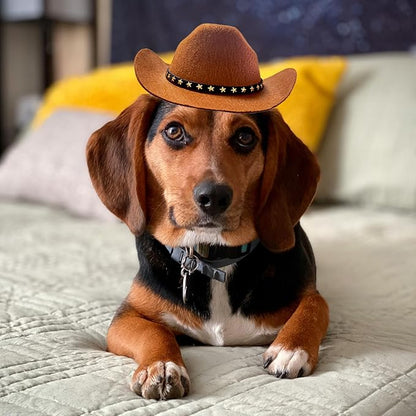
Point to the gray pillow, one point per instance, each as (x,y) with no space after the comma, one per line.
(368,154)
(48,164)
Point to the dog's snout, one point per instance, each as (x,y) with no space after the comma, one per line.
(213,198)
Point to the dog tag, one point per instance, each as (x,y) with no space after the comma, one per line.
(189,264)
(184,275)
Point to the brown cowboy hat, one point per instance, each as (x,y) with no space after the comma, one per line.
(213,68)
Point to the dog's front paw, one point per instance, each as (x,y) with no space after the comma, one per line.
(286,363)
(161,381)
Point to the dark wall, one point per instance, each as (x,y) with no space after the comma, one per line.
(274,28)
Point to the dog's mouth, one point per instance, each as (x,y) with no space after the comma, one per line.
(206,223)
(203,222)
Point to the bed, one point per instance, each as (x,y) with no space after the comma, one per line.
(66,264)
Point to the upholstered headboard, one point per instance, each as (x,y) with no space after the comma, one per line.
(274,28)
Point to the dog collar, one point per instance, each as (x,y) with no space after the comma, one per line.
(207,259)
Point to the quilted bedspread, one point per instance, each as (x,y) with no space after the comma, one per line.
(61,279)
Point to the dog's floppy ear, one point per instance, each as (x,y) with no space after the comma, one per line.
(115,158)
(290,178)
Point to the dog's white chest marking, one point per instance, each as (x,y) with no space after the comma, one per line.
(224,327)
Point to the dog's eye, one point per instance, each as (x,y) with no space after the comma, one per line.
(175,135)
(174,132)
(244,140)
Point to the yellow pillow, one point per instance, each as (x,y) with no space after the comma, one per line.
(307,108)
(114,88)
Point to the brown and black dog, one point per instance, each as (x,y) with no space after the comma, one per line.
(221,182)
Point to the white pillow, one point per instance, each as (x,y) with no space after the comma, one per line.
(368,154)
(48,164)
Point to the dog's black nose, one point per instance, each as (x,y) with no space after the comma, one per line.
(213,198)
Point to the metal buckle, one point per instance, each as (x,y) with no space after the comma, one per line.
(189,264)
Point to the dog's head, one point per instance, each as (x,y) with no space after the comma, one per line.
(189,175)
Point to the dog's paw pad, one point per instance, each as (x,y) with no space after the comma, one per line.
(285,363)
(161,381)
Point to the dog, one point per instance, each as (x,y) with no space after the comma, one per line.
(214,199)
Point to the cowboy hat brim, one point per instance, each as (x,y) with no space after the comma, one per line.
(151,73)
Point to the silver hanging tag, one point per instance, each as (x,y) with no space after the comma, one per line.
(184,275)
(189,264)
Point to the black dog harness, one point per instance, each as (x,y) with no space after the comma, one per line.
(207,259)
